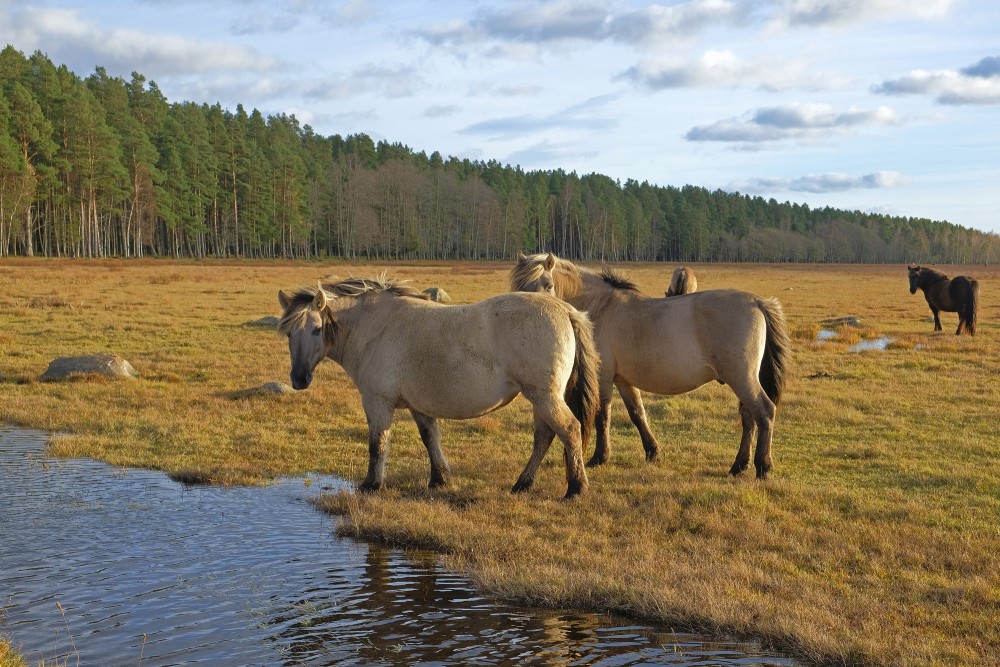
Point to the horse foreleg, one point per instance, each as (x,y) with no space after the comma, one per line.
(544,435)
(430,434)
(379,423)
(937,319)
(637,413)
(743,455)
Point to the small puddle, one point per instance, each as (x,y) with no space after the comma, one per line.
(880,343)
(111,566)
(865,344)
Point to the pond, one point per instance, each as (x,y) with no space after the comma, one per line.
(110,566)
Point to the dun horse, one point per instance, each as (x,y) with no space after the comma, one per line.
(673,346)
(955,295)
(682,282)
(451,362)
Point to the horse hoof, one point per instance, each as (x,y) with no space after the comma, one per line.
(369,488)
(594,462)
(521,487)
(437,483)
(762,472)
(572,493)
(652,456)
(738,468)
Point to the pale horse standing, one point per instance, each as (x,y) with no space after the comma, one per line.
(450,362)
(673,346)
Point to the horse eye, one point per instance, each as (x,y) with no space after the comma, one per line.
(317,331)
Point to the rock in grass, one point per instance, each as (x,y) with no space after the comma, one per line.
(275,388)
(437,294)
(104,364)
(269,321)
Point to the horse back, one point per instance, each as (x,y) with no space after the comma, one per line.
(672,346)
(461,361)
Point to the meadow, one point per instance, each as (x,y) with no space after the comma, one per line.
(875,540)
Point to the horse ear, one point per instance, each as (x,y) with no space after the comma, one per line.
(284,299)
(320,301)
(550,261)
(521,257)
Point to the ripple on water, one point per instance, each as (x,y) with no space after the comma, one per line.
(148,571)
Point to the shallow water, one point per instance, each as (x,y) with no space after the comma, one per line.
(104,566)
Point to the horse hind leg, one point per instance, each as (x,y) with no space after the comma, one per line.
(430,435)
(756,409)
(554,418)
(743,455)
(602,425)
(544,435)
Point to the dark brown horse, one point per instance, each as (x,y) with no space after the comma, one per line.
(952,295)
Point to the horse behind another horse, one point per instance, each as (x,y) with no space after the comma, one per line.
(952,295)
(682,282)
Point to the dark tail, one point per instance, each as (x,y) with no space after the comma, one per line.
(583,388)
(777,348)
(972,306)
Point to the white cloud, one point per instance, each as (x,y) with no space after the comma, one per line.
(725,69)
(821,183)
(975,84)
(66,37)
(801,122)
(850,12)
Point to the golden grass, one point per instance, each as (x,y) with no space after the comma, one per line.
(874,543)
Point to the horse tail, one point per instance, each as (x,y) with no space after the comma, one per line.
(971,306)
(583,388)
(777,348)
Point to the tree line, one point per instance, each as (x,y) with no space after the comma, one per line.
(104,167)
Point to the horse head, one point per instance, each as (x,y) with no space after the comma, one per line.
(310,326)
(534,273)
(916,273)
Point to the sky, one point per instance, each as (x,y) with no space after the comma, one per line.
(887,106)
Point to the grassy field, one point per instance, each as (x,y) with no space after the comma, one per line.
(875,541)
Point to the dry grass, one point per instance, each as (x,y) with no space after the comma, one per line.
(876,541)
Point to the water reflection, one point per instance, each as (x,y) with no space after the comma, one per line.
(105,566)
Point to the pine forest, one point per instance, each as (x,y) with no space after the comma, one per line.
(104,167)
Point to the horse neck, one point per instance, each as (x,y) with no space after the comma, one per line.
(593,293)
(930,278)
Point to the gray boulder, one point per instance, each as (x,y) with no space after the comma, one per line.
(269,321)
(103,364)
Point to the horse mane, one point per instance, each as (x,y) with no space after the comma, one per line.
(302,299)
(617,279)
(929,276)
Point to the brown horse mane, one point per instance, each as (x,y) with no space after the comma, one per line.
(302,299)
(929,276)
(617,279)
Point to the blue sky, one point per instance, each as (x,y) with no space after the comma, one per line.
(878,105)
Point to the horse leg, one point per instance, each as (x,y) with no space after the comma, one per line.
(937,319)
(544,436)
(554,413)
(961,320)
(430,434)
(637,413)
(743,455)
(602,426)
(379,423)
(755,405)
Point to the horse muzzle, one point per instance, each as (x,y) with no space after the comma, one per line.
(302,382)
(913,290)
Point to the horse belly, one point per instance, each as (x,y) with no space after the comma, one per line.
(665,373)
(461,400)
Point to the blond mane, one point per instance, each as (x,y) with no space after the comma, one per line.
(301,301)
